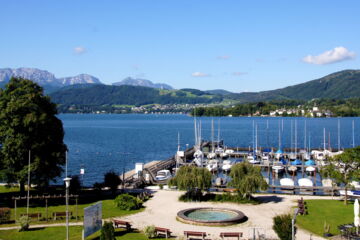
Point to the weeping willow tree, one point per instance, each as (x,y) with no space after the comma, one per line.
(193,180)
(344,168)
(247,179)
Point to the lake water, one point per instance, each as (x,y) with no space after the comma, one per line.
(99,143)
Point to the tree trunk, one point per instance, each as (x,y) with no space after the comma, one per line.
(22,188)
(345,202)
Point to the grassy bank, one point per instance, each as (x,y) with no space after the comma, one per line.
(59,233)
(334,212)
(108,210)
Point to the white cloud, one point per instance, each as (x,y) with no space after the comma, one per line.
(224,57)
(239,73)
(337,54)
(79,50)
(200,74)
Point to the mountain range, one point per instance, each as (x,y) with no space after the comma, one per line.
(143,83)
(87,90)
(51,83)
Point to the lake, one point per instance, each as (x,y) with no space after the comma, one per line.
(100,142)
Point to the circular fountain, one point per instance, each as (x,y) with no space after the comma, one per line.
(211,216)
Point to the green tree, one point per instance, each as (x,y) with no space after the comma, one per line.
(107,231)
(191,179)
(282,226)
(112,180)
(247,179)
(28,122)
(344,168)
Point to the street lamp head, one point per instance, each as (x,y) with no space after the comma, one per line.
(67,182)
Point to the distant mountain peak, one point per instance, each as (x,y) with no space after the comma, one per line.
(45,78)
(142,82)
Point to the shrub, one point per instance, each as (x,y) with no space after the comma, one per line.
(127,202)
(24,222)
(107,231)
(4,215)
(149,231)
(282,226)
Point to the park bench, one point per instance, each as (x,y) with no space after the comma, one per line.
(122,224)
(32,215)
(189,234)
(238,235)
(163,231)
(60,214)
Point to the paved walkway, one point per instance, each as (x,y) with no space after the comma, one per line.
(162,209)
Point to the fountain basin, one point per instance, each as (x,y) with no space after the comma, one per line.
(211,216)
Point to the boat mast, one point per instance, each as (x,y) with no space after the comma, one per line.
(295,137)
(338,134)
(212,135)
(353,133)
(305,136)
(324,140)
(256,140)
(279,137)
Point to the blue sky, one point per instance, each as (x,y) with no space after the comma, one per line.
(234,45)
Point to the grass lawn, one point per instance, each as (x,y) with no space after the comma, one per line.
(333,212)
(59,233)
(6,189)
(108,210)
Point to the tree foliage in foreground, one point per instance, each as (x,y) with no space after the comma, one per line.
(344,168)
(247,179)
(192,179)
(28,122)
(282,226)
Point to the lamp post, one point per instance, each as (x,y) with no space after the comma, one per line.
(296,211)
(67,185)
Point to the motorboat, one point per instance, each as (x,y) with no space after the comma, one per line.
(229,151)
(292,169)
(220,181)
(224,155)
(327,182)
(355,184)
(310,163)
(226,166)
(310,170)
(278,154)
(278,167)
(252,159)
(212,165)
(163,175)
(350,193)
(211,155)
(199,158)
(287,182)
(305,182)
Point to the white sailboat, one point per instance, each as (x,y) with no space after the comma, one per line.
(287,182)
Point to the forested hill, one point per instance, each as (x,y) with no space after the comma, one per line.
(339,85)
(129,95)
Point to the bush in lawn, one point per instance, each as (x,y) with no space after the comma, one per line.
(282,226)
(127,202)
(149,231)
(24,222)
(4,215)
(107,231)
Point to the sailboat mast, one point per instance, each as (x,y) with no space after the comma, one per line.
(295,137)
(212,135)
(338,134)
(256,140)
(305,136)
(353,133)
(324,140)
(279,137)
